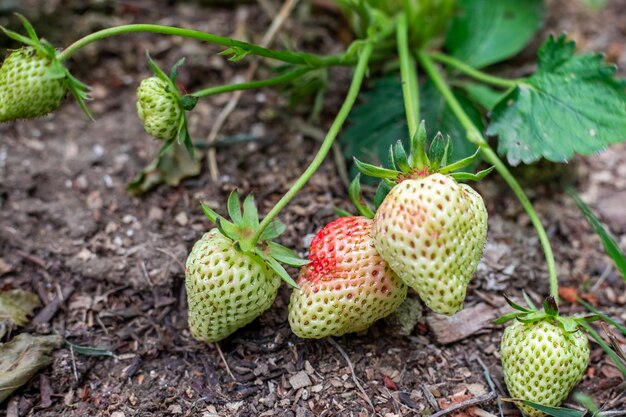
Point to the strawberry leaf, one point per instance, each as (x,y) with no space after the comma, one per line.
(485,31)
(572,104)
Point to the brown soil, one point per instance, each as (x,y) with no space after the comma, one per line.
(68,227)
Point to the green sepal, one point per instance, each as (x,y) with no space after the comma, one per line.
(532,317)
(465,162)
(228,229)
(417,155)
(466,176)
(174,71)
(273,230)
(183,136)
(209,213)
(381,192)
(400,157)
(250,212)
(157,71)
(29,28)
(374,171)
(514,305)
(234,208)
(56,71)
(80,91)
(277,268)
(354,191)
(341,212)
(569,324)
(550,307)
(507,317)
(285,255)
(528,300)
(438,151)
(21,38)
(188,102)
(392,159)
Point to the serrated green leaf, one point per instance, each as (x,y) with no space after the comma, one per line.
(611,246)
(485,31)
(379,121)
(571,105)
(555,411)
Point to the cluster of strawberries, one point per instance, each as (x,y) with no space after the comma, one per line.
(427,234)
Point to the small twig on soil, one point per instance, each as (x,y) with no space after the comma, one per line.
(492,386)
(465,404)
(268,38)
(429,398)
(171,255)
(219,350)
(354,378)
(73,362)
(49,311)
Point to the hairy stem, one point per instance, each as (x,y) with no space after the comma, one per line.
(353,92)
(476,137)
(251,85)
(472,72)
(298,58)
(408,73)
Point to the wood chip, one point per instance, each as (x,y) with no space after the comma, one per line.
(300,380)
(465,323)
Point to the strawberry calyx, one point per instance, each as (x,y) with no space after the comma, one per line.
(550,312)
(185,102)
(419,164)
(241,228)
(57,70)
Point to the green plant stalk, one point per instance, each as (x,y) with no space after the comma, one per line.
(476,137)
(252,85)
(298,58)
(472,72)
(353,92)
(408,74)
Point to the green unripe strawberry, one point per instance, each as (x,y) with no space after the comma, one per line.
(159,108)
(226,288)
(231,277)
(432,232)
(347,286)
(26,88)
(542,362)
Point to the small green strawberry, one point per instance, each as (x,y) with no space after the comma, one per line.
(544,356)
(158,108)
(346,286)
(429,228)
(26,87)
(33,81)
(229,279)
(161,106)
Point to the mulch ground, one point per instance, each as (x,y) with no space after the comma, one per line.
(112,264)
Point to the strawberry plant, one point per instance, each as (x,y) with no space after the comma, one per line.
(427,229)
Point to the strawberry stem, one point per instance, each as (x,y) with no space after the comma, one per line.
(476,137)
(408,74)
(252,85)
(472,72)
(353,92)
(298,58)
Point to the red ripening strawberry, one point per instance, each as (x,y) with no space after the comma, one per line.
(347,285)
